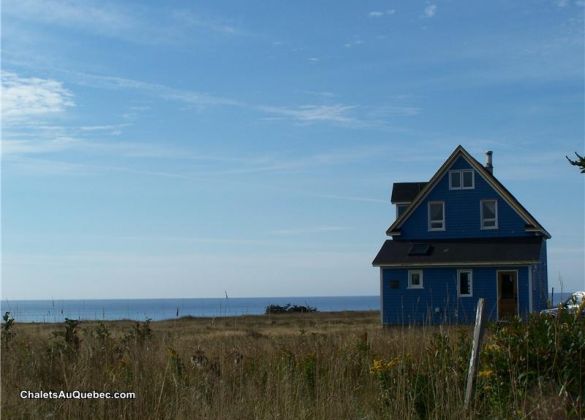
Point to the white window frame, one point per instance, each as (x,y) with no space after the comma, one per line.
(420,276)
(470,277)
(431,228)
(401,204)
(459,173)
(483,220)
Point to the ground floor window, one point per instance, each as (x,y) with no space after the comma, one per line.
(415,279)
(464,283)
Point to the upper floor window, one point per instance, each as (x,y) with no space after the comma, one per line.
(436,215)
(415,279)
(489,214)
(462,179)
(400,208)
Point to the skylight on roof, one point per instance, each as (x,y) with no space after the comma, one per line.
(420,249)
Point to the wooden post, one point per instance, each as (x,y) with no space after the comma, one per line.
(477,336)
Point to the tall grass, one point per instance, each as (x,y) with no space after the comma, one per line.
(302,366)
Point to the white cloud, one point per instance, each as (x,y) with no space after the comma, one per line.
(430,10)
(378,13)
(353,43)
(26,98)
(312,113)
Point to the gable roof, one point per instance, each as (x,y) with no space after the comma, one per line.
(461,252)
(406,192)
(531,223)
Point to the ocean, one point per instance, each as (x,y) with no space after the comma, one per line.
(159,309)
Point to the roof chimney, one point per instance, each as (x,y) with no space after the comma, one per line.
(488,164)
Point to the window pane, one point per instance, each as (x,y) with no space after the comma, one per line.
(467,179)
(455,179)
(489,223)
(436,211)
(415,279)
(489,209)
(464,286)
(401,208)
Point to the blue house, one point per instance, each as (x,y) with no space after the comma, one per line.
(459,237)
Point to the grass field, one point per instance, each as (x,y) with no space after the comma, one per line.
(291,366)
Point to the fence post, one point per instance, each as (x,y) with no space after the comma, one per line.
(477,336)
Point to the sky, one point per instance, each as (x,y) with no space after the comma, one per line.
(188,149)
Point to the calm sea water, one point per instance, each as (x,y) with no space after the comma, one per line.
(158,309)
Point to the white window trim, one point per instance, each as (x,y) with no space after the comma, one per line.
(460,173)
(470,273)
(451,173)
(442,228)
(401,204)
(481,221)
(420,275)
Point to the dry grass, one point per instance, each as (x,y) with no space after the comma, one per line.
(293,366)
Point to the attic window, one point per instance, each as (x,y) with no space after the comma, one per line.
(436,215)
(419,249)
(489,214)
(462,179)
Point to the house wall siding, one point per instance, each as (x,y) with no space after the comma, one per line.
(437,302)
(540,279)
(462,212)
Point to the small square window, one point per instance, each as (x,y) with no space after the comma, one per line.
(464,283)
(415,279)
(400,208)
(462,179)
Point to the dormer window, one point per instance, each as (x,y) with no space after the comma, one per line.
(462,179)
(436,215)
(401,208)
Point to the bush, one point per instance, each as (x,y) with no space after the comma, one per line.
(521,358)
(288,308)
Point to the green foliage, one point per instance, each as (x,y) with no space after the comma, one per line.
(70,337)
(579,162)
(523,356)
(7,329)
(288,308)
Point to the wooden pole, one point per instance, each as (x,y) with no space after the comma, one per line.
(473,360)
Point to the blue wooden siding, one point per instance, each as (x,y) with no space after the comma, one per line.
(540,282)
(462,212)
(437,301)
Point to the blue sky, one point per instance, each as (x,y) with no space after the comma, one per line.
(184,149)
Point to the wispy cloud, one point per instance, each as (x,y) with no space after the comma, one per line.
(430,10)
(312,113)
(381,13)
(309,230)
(353,43)
(24,98)
(115,20)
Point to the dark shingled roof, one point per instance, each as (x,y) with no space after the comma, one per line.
(462,251)
(405,192)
